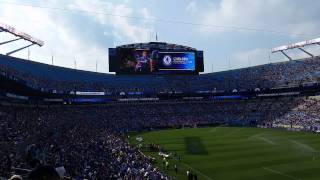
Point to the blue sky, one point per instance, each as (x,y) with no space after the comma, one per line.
(84,29)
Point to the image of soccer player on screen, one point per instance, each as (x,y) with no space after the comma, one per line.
(144,63)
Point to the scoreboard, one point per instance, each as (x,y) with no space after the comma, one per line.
(153,61)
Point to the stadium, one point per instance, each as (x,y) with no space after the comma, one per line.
(159,116)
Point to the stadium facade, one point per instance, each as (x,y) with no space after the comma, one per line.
(44,82)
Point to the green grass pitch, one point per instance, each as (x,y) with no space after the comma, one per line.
(229,153)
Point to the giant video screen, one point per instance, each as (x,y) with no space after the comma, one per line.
(145,61)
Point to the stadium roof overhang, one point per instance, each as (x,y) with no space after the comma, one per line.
(157,45)
(20,36)
(298,45)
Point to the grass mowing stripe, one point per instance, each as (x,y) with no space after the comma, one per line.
(233,155)
(280,173)
(194,145)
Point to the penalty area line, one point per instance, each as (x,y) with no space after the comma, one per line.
(280,173)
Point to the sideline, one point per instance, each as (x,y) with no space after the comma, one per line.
(187,165)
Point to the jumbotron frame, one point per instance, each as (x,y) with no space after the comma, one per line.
(298,45)
(20,36)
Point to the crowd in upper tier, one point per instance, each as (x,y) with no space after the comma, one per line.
(46,77)
(90,142)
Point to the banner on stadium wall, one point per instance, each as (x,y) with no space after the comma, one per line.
(192,98)
(171,92)
(90,93)
(53,100)
(228,97)
(138,99)
(10,95)
(203,92)
(279,94)
(135,93)
(90,100)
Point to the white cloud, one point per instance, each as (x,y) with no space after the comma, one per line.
(192,6)
(278,15)
(60,40)
(127,28)
(136,33)
(63,37)
(293,17)
(70,34)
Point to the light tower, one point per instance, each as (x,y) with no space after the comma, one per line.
(19,36)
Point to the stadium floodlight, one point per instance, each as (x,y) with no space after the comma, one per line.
(25,36)
(296,45)
(20,35)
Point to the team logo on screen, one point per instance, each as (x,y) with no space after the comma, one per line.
(167,60)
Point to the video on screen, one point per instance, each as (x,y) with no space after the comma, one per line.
(136,61)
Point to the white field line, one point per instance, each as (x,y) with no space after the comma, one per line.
(214,129)
(260,137)
(303,146)
(199,172)
(266,140)
(232,132)
(280,173)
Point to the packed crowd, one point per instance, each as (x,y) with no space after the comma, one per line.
(264,76)
(90,141)
(305,116)
(48,78)
(85,147)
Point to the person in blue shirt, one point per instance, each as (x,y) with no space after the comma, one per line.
(144,63)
